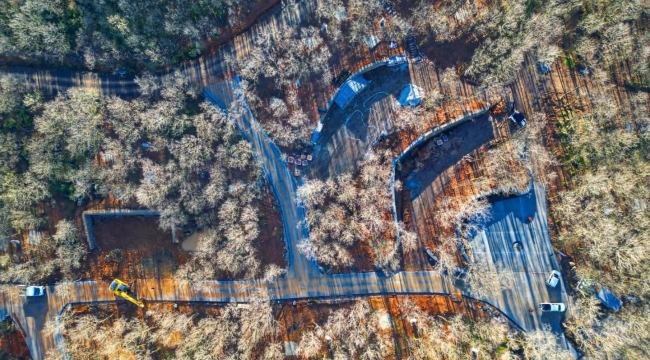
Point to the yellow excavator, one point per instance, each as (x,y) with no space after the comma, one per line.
(121,289)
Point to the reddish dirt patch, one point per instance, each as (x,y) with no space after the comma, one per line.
(446,306)
(362,260)
(270,243)
(444,167)
(247,17)
(132,247)
(296,319)
(12,342)
(448,54)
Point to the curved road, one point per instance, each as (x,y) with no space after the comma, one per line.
(200,72)
(303,280)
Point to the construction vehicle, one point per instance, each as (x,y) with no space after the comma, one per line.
(121,289)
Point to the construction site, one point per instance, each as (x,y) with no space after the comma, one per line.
(336,180)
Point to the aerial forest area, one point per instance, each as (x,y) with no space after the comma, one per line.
(325,179)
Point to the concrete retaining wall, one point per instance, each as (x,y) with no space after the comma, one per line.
(419,141)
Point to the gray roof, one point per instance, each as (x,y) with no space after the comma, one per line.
(349,89)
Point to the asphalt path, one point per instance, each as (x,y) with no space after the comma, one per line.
(304,282)
(303,279)
(282,183)
(199,73)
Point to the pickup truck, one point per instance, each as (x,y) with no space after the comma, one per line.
(552,307)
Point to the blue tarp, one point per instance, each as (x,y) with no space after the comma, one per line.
(608,299)
(349,89)
(411,95)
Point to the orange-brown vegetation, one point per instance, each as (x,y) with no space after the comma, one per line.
(12,342)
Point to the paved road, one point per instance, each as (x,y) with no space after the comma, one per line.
(531,266)
(303,279)
(277,174)
(200,72)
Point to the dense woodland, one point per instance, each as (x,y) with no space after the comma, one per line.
(346,211)
(111,34)
(355,331)
(166,151)
(195,168)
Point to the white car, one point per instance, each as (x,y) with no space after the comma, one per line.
(34,291)
(552,307)
(553,279)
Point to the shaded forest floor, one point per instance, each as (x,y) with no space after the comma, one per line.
(134,247)
(250,13)
(12,342)
(295,318)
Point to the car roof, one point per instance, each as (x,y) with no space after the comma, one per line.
(34,290)
(518,116)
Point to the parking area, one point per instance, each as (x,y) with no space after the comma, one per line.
(516,240)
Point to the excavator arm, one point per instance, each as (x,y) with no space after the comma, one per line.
(121,289)
(130,298)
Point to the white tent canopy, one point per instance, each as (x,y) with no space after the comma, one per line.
(411,95)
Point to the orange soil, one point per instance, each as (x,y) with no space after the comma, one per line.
(13,344)
(270,242)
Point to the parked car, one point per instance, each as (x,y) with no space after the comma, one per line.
(553,278)
(552,307)
(518,118)
(34,291)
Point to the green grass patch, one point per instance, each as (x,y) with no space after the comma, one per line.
(531,6)
(569,62)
